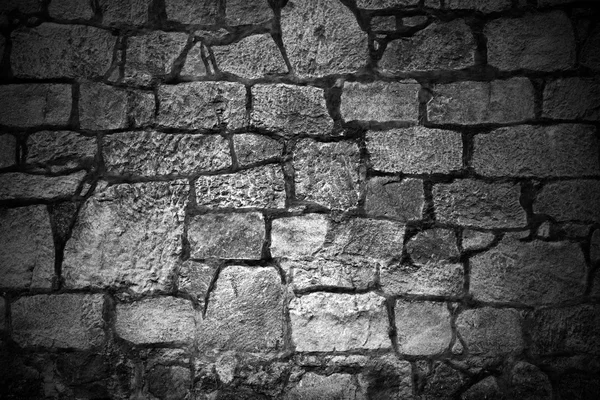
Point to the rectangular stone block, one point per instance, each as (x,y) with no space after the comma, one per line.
(128,12)
(430,279)
(301,236)
(388,197)
(30,105)
(570,200)
(338,272)
(243,12)
(202,12)
(60,151)
(423,327)
(573,99)
(380,101)
(253,57)
(334,386)
(70,9)
(8,150)
(16,185)
(250,148)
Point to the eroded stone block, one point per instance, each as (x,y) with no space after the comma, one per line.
(432,279)
(301,236)
(192,11)
(380,101)
(491,332)
(16,185)
(423,327)
(252,57)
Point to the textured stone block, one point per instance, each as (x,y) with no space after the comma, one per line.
(528,382)
(475,240)
(244,12)
(250,148)
(469,103)
(301,236)
(474,203)
(432,246)
(491,332)
(339,322)
(194,278)
(128,235)
(332,43)
(30,105)
(156,320)
(194,62)
(192,11)
(252,57)
(388,197)
(431,279)
(380,101)
(380,4)
(169,382)
(327,173)
(423,327)
(8,151)
(346,272)
(15,185)
(128,12)
(589,56)
(58,151)
(570,200)
(415,150)
(387,377)
(572,98)
(485,6)
(64,321)
(2,314)
(319,387)
(61,51)
(70,9)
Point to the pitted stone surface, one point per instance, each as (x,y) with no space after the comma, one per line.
(70,9)
(318,387)
(432,246)
(250,148)
(341,272)
(2,314)
(243,12)
(388,197)
(194,63)
(431,279)
(572,98)
(441,381)
(192,11)
(8,151)
(423,327)
(119,13)
(35,104)
(475,240)
(570,200)
(301,236)
(491,332)
(380,101)
(59,151)
(194,278)
(15,186)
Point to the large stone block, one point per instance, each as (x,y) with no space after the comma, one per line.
(572,98)
(30,105)
(570,200)
(8,150)
(338,272)
(58,151)
(64,321)
(128,235)
(252,57)
(486,388)
(490,332)
(244,12)
(485,6)
(423,328)
(301,236)
(380,101)
(70,9)
(16,185)
(319,387)
(432,246)
(431,279)
(194,279)
(250,148)
(192,11)
(124,12)
(391,198)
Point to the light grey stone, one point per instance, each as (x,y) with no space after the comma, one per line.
(192,11)
(490,331)
(129,12)
(381,4)
(243,12)
(301,236)
(339,272)
(16,185)
(570,200)
(252,57)
(59,151)
(476,240)
(194,62)
(432,246)
(318,387)
(430,279)
(391,198)
(194,278)
(28,105)
(423,327)
(380,101)
(250,148)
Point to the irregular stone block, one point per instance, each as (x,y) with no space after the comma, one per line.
(30,105)
(239,236)
(70,9)
(476,240)
(347,272)
(490,331)
(24,6)
(572,98)
(61,51)
(380,101)
(156,320)
(470,103)
(431,279)
(591,48)
(423,327)
(415,150)
(380,4)
(474,203)
(485,6)
(59,151)
(192,11)
(528,382)
(8,151)
(439,380)
(151,153)
(570,200)
(250,148)
(327,173)
(194,278)
(332,41)
(387,377)
(486,388)
(245,311)
(63,321)
(243,12)
(15,185)
(388,197)
(298,236)
(339,322)
(251,58)
(318,387)
(128,235)
(432,246)
(129,12)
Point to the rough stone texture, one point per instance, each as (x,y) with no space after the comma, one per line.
(290,110)
(570,200)
(194,62)
(238,236)
(572,98)
(486,388)
(202,105)
(61,51)
(346,273)
(387,377)
(16,185)
(432,246)
(245,311)
(476,240)
(595,247)
(194,278)
(388,197)
(380,4)
(542,42)
(589,52)
(380,101)
(70,9)
(250,148)
(339,322)
(127,235)
(27,251)
(153,153)
(438,380)
(525,150)
(528,382)
(243,12)
(485,6)
(59,151)
(170,382)
(299,236)
(423,328)
(119,12)
(415,150)
(192,11)
(470,103)
(24,6)
(319,387)
(64,321)
(8,151)
(474,203)
(490,332)
(2,314)
(331,43)
(442,45)
(383,23)
(529,272)
(327,173)
(156,320)
(251,57)
(30,105)
(431,279)
(258,187)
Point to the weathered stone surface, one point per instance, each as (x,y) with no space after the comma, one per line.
(70,9)
(61,51)
(301,236)
(290,110)
(58,151)
(485,6)
(383,23)
(238,236)
(589,56)
(545,151)
(30,105)
(169,382)
(59,321)
(432,279)
(252,57)
(439,380)
(332,41)
(380,4)
(327,173)
(486,388)
(528,382)
(193,278)
(476,240)
(415,150)
(2,314)
(572,98)
(119,12)
(128,235)
(339,322)
(192,11)
(243,12)
(490,332)
(16,185)
(347,272)
(442,45)
(469,103)
(194,62)
(474,203)
(528,272)
(258,187)
(250,148)
(8,151)
(423,327)
(24,6)
(245,311)
(432,246)
(387,377)
(570,200)
(151,153)
(319,387)
(595,247)
(202,105)
(388,197)
(380,101)
(156,320)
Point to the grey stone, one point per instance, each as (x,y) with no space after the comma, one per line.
(589,56)
(486,388)
(485,6)
(383,23)
(194,278)
(258,187)
(341,272)
(572,98)
(388,197)
(70,9)
(415,150)
(528,382)
(570,200)
(129,12)
(27,251)
(432,246)
(423,327)
(30,105)
(2,314)
(301,236)
(243,12)
(8,151)
(239,236)
(63,321)
(414,20)
(507,101)
(128,235)
(318,387)
(339,322)
(24,6)
(440,380)
(194,63)
(332,41)
(430,279)
(156,320)
(252,57)
(192,11)
(380,101)
(169,382)
(474,203)
(381,4)
(387,377)
(61,51)
(59,151)
(153,153)
(16,185)
(327,173)
(202,105)
(595,247)
(476,240)
(491,332)
(250,148)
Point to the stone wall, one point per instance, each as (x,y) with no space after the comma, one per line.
(304,199)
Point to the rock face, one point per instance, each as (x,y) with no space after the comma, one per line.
(241,12)
(391,198)
(70,9)
(251,57)
(192,12)
(17,186)
(318,387)
(8,151)
(433,279)
(339,272)
(572,98)
(119,13)
(528,382)
(571,200)
(380,102)
(250,148)
(60,151)
(29,105)
(423,327)
(298,236)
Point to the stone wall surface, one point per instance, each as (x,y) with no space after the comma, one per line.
(299,199)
